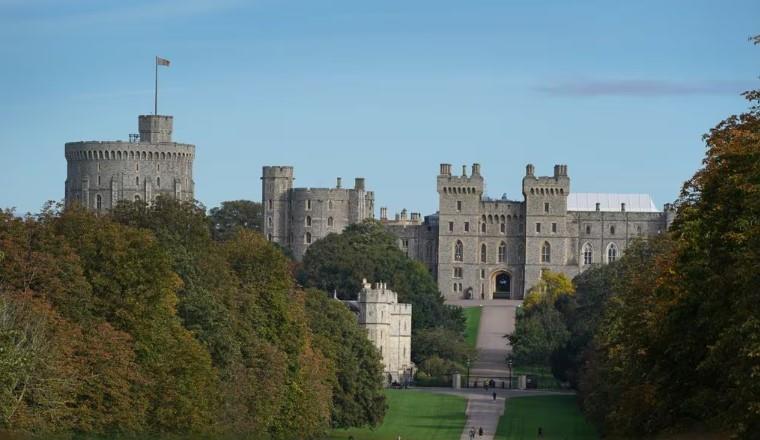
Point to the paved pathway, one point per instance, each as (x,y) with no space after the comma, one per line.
(496,320)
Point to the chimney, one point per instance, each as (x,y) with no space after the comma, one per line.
(403,214)
(557,170)
(359,183)
(416,217)
(383,213)
(622,207)
(529,169)
(445,169)
(598,205)
(338,183)
(464,170)
(476,169)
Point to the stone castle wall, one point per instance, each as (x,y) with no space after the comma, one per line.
(99,174)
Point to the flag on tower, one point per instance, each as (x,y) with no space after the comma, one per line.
(162,62)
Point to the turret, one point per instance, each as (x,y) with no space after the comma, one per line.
(276,183)
(155,129)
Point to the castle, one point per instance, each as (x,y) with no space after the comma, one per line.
(389,328)
(99,174)
(476,247)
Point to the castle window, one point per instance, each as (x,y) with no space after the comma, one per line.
(329,222)
(459,205)
(483,253)
(271,204)
(269,237)
(483,218)
(546,253)
(532,191)
(588,229)
(308,220)
(638,229)
(554,227)
(98,202)
(158,167)
(483,228)
(308,237)
(612,229)
(482,274)
(137,198)
(466,226)
(451,226)
(158,182)
(269,221)
(503,227)
(457,272)
(612,253)
(538,227)
(98,180)
(546,207)
(308,204)
(459,251)
(502,252)
(455,287)
(588,254)
(405,246)
(329,204)
(137,180)
(137,167)
(502,218)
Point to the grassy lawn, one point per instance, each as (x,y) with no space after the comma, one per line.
(415,415)
(473,324)
(559,417)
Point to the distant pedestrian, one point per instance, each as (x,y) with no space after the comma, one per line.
(472,433)
(494,395)
(480,431)
(540,432)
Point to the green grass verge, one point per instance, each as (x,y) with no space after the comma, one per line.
(473,324)
(415,415)
(558,416)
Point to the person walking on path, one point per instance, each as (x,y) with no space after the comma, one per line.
(494,395)
(472,433)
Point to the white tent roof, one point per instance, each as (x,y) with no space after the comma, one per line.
(610,202)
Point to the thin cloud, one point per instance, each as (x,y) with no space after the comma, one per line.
(643,88)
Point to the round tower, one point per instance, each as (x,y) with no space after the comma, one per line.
(100,173)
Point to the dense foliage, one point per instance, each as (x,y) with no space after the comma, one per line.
(236,214)
(141,323)
(339,262)
(668,337)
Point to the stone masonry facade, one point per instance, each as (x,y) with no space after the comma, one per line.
(389,328)
(477,247)
(297,217)
(100,173)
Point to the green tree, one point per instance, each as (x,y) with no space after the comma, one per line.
(357,384)
(234,214)
(339,262)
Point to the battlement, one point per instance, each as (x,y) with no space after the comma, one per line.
(463,184)
(275,171)
(556,184)
(377,293)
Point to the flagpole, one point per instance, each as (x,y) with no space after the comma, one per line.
(155,93)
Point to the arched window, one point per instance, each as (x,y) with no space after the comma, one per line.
(490,219)
(329,204)
(502,252)
(308,220)
(546,253)
(483,253)
(308,237)
(588,254)
(503,228)
(329,222)
(459,251)
(612,253)
(137,180)
(483,228)
(502,219)
(269,222)
(158,181)
(137,198)
(612,229)
(98,202)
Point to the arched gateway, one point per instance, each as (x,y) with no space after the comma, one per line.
(501,284)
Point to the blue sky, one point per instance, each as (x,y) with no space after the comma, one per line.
(621,92)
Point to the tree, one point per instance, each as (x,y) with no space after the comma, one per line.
(339,262)
(357,385)
(231,215)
